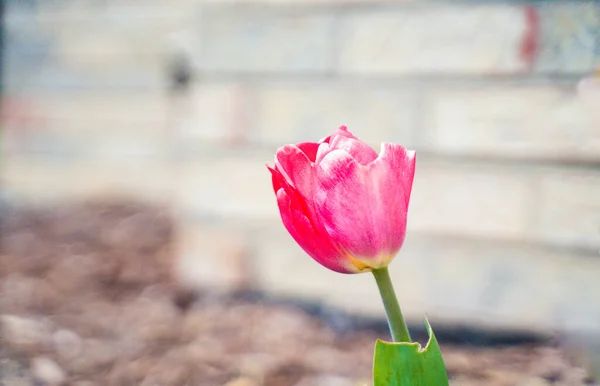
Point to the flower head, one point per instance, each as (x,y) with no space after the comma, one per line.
(343,203)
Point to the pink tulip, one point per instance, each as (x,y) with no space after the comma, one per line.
(345,205)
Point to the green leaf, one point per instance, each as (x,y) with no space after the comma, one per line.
(406,364)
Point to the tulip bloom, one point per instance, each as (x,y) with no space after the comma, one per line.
(344,204)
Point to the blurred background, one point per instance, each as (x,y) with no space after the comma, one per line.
(140,239)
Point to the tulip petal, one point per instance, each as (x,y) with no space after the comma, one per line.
(344,132)
(358,149)
(309,149)
(363,207)
(324,148)
(341,131)
(296,167)
(301,228)
(344,202)
(277,179)
(343,139)
(391,177)
(399,163)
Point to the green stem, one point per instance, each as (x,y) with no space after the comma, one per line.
(392,308)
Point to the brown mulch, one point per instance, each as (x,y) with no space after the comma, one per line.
(87,298)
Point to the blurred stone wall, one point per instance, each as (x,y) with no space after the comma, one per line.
(504,225)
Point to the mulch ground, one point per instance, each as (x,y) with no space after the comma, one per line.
(87,297)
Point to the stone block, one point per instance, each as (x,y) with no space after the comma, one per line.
(93,48)
(96,122)
(111,36)
(470,200)
(568,37)
(236,187)
(130,122)
(433,39)
(217,112)
(136,109)
(52,179)
(569,208)
(524,121)
(43,77)
(265,39)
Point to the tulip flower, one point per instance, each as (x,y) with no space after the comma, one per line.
(344,204)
